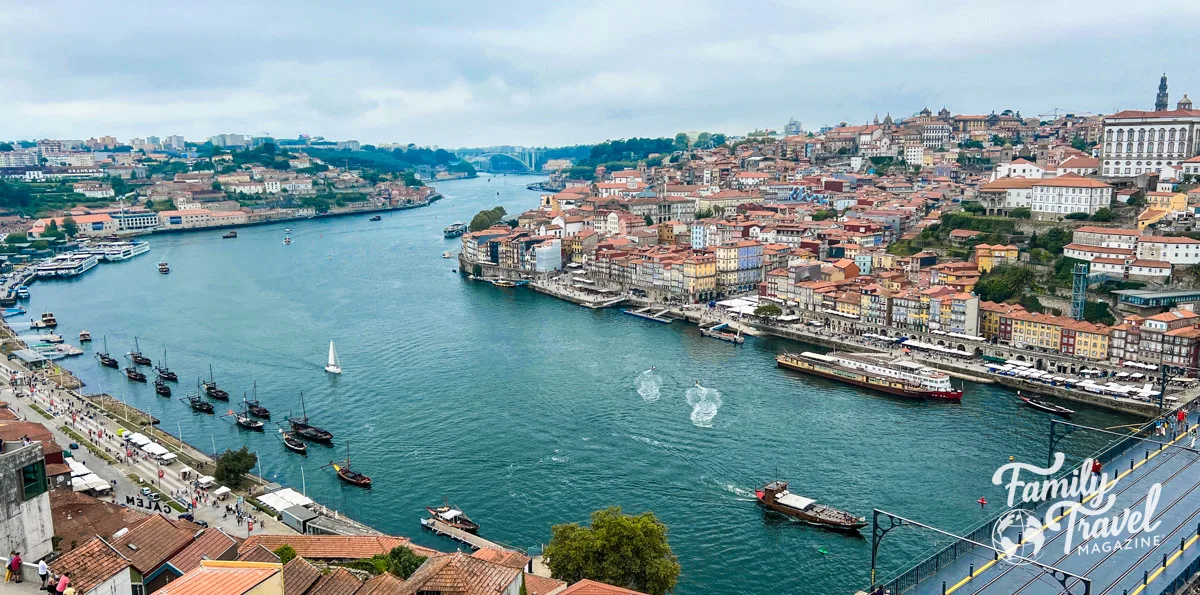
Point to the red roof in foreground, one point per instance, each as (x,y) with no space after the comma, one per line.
(590,587)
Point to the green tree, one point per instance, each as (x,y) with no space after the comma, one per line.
(1076,216)
(824,214)
(970,144)
(703,140)
(649,220)
(6,147)
(286,553)
(704,214)
(973,207)
(69,227)
(485,219)
(1020,213)
(402,562)
(216,186)
(1081,144)
(1098,312)
(718,139)
(768,311)
(52,228)
(19,237)
(1052,240)
(1102,214)
(1003,283)
(622,550)
(681,141)
(233,465)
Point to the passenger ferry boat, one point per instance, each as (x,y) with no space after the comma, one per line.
(66,265)
(23,292)
(118,251)
(901,378)
(164,268)
(777,497)
(455,229)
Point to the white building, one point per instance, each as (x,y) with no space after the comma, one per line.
(19,158)
(914,154)
(1140,142)
(1108,237)
(1057,197)
(25,517)
(1176,251)
(1019,168)
(1083,166)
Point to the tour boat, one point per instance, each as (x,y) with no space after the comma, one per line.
(199,404)
(376,218)
(106,359)
(164,268)
(256,409)
(293,443)
(136,355)
(118,251)
(243,418)
(85,337)
(164,372)
(287,240)
(303,429)
(454,229)
(776,496)
(334,366)
(210,388)
(902,378)
(287,230)
(718,332)
(1044,406)
(133,374)
(46,321)
(348,475)
(161,388)
(453,517)
(447,254)
(504,283)
(23,292)
(229,235)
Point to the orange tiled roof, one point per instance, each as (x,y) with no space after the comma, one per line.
(226,581)
(78,517)
(153,541)
(338,582)
(384,584)
(335,547)
(212,544)
(502,557)
(90,564)
(590,587)
(298,575)
(1071,181)
(540,585)
(257,553)
(460,574)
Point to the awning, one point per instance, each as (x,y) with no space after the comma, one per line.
(221,491)
(206,480)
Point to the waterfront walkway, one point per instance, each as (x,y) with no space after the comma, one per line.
(1145,563)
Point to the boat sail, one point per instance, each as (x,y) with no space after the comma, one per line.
(334,366)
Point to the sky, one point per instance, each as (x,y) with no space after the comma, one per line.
(480,73)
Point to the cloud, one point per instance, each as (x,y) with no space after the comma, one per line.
(522,72)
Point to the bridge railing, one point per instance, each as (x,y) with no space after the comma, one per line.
(930,564)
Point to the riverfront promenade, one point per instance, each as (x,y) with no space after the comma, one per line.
(1149,563)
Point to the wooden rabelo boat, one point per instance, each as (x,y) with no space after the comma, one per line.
(138,358)
(454,517)
(293,443)
(255,408)
(210,388)
(348,475)
(106,359)
(161,388)
(164,372)
(303,429)
(1044,406)
(134,375)
(198,404)
(775,496)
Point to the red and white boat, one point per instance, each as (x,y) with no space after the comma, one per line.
(902,378)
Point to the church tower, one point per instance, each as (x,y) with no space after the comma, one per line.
(1160,101)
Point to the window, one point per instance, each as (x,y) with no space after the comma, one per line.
(33,478)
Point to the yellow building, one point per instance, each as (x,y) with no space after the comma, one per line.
(1030,329)
(1150,216)
(1091,341)
(849,304)
(989,257)
(1169,201)
(700,276)
(990,314)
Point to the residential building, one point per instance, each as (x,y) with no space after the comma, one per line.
(1057,197)
(1108,237)
(1019,168)
(25,501)
(97,567)
(989,257)
(1175,250)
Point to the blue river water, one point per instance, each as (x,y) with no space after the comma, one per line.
(527,411)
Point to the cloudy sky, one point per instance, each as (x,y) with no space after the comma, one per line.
(472,72)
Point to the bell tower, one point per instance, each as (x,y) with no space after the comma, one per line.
(1160,100)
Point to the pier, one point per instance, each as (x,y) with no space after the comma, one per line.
(475,541)
(647,313)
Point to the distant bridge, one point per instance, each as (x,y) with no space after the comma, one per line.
(518,158)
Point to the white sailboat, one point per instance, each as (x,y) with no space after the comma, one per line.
(334,366)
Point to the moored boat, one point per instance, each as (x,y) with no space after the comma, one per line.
(376,218)
(229,235)
(348,475)
(46,321)
(1044,406)
(255,408)
(210,388)
(161,388)
(23,292)
(106,359)
(454,517)
(134,374)
(504,283)
(718,332)
(85,337)
(137,357)
(454,229)
(198,404)
(902,378)
(293,443)
(776,496)
(164,372)
(303,429)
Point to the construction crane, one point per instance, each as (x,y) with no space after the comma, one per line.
(1054,113)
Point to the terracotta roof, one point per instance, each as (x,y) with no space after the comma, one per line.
(1174,315)
(338,582)
(1080,163)
(334,547)
(507,558)
(1175,113)
(1158,264)
(1071,181)
(384,584)
(540,585)
(1168,240)
(90,564)
(211,545)
(220,579)
(78,517)
(257,553)
(590,587)
(152,542)
(298,575)
(460,574)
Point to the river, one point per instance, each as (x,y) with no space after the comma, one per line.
(527,411)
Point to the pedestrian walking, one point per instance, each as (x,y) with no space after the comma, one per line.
(1096,467)
(43,573)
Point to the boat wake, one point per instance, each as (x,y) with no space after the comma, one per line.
(649,385)
(705,402)
(741,492)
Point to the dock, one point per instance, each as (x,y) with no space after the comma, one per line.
(475,541)
(718,332)
(646,313)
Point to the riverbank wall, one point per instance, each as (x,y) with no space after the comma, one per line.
(432,199)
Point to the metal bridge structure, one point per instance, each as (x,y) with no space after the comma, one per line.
(518,159)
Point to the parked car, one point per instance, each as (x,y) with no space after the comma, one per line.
(146,491)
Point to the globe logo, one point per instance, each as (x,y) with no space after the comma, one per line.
(1018,533)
